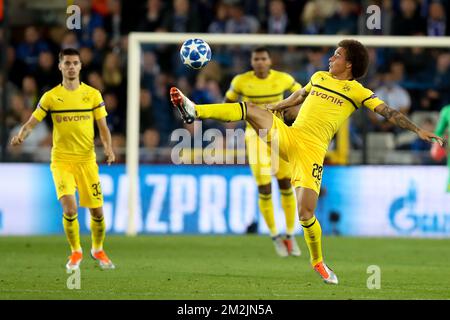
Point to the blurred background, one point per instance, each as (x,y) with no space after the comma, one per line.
(415,81)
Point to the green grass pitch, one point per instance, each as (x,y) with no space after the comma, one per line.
(244,267)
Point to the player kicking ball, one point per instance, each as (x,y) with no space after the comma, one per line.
(326,102)
(73,107)
(260,86)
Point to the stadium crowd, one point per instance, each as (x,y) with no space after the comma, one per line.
(408,79)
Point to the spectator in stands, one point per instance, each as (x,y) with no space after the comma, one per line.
(15,110)
(153,20)
(418,64)
(294,10)
(47,74)
(239,22)
(436,21)
(397,69)
(218,25)
(151,138)
(372,75)
(30,92)
(90,20)
(395,96)
(95,80)
(112,23)
(16,69)
(181,19)
(101,7)
(314,14)
(312,21)
(86,58)
(165,121)
(213,88)
(439,94)
(28,51)
(150,141)
(277,22)
(201,92)
(11,90)
(116,116)
(408,21)
(344,20)
(316,61)
(150,69)
(70,40)
(147,118)
(100,47)
(208,91)
(112,73)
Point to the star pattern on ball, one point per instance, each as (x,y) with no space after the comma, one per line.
(195,53)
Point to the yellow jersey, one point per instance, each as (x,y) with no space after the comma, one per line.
(329,103)
(73,114)
(249,88)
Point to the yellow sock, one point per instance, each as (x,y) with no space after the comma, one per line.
(313,237)
(72,230)
(288,203)
(98,231)
(266,208)
(222,111)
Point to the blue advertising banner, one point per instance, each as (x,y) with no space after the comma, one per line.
(196,199)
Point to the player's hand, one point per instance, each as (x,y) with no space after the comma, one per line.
(110,157)
(430,137)
(272,107)
(16,140)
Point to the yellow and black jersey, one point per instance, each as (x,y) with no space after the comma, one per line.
(73,114)
(249,88)
(329,103)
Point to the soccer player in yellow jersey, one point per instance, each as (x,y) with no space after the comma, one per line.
(74,107)
(326,102)
(261,86)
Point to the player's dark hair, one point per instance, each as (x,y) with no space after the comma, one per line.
(261,49)
(358,56)
(68,52)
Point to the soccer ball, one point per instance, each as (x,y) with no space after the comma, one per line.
(195,53)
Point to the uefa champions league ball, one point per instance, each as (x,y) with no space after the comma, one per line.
(195,53)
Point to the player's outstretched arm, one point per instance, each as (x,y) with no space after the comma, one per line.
(105,136)
(399,119)
(24,131)
(293,100)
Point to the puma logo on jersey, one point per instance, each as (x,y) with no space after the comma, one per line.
(59,99)
(327,97)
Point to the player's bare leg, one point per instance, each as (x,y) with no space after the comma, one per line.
(98,231)
(306,203)
(72,230)
(288,203)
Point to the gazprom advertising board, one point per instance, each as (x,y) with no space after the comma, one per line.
(195,199)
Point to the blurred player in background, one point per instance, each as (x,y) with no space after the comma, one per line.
(73,107)
(261,86)
(438,152)
(326,102)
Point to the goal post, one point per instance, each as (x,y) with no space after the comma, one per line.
(136,39)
